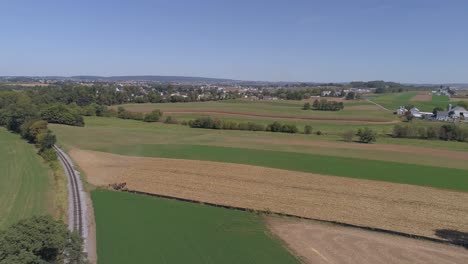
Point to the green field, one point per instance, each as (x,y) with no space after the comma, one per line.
(454,179)
(352,110)
(140,229)
(395,100)
(24,180)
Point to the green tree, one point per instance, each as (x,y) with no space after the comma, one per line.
(154,116)
(306,106)
(437,109)
(366,135)
(40,239)
(45,140)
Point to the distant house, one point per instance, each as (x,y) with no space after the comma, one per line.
(326,93)
(269,98)
(415,112)
(401,111)
(418,114)
(459,112)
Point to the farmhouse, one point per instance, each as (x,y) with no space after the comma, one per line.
(418,114)
(458,112)
(401,111)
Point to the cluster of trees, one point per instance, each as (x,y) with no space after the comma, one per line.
(40,239)
(365,135)
(210,123)
(36,132)
(18,107)
(154,116)
(443,132)
(324,105)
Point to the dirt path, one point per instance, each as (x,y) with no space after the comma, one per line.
(381,106)
(317,243)
(404,208)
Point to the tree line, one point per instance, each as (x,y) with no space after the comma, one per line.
(447,132)
(210,123)
(324,105)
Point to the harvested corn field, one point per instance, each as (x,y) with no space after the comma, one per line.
(317,243)
(403,208)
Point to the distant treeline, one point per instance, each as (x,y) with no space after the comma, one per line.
(324,105)
(111,94)
(388,87)
(210,123)
(447,132)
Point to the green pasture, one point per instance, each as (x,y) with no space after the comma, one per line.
(134,228)
(24,180)
(276,108)
(394,100)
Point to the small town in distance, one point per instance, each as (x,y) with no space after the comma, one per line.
(211,132)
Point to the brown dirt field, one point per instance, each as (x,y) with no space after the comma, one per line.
(422,97)
(404,208)
(337,119)
(317,243)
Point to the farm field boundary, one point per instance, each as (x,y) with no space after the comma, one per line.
(264,212)
(183,232)
(337,119)
(399,207)
(447,178)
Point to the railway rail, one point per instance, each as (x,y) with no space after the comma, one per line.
(77,211)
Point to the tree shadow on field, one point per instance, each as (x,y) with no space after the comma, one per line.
(453,236)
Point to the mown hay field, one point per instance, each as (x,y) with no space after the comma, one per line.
(108,133)
(134,228)
(24,180)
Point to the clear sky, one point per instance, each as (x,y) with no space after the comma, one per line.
(423,41)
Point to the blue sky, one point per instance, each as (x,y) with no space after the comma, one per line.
(399,40)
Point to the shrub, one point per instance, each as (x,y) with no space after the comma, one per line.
(348,136)
(318,133)
(308,129)
(48,154)
(289,129)
(274,127)
(45,140)
(366,135)
(171,120)
(154,116)
(306,106)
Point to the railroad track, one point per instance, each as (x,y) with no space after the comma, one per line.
(76,197)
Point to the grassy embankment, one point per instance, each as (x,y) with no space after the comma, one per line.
(25,182)
(168,231)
